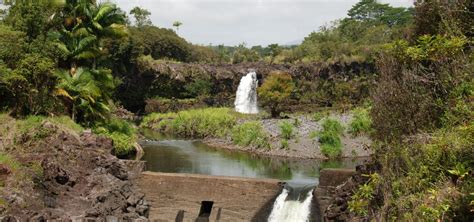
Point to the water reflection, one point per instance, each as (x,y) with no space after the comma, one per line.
(186,156)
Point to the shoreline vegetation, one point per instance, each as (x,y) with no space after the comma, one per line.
(259,134)
(77,76)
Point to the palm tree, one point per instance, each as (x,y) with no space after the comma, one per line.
(177,24)
(87,93)
(85,24)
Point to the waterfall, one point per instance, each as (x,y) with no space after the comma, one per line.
(246,98)
(292,205)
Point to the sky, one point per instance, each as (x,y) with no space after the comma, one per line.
(253,22)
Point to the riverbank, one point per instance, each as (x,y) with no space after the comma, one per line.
(264,136)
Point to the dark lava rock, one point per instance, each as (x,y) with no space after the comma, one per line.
(81,180)
(4,170)
(338,208)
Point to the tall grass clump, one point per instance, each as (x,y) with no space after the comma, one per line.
(330,138)
(361,122)
(197,123)
(250,133)
(287,130)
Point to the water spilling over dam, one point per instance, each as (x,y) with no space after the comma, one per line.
(293,204)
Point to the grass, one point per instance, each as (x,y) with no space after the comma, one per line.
(330,138)
(12,129)
(9,161)
(196,123)
(250,133)
(284,144)
(361,122)
(320,115)
(287,130)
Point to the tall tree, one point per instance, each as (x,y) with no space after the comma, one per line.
(275,50)
(177,24)
(85,24)
(142,16)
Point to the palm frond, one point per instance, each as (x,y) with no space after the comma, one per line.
(97,25)
(86,55)
(84,44)
(62,47)
(62,92)
(116,30)
(104,9)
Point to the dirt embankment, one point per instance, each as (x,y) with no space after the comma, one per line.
(61,175)
(302,145)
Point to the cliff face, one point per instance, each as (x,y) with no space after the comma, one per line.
(170,80)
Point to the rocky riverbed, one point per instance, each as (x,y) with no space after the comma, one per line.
(302,145)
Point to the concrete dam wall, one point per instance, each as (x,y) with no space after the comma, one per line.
(221,198)
(233,199)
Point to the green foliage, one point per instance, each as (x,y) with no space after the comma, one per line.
(333,125)
(88,93)
(85,24)
(404,71)
(276,88)
(199,87)
(361,122)
(358,37)
(198,123)
(161,43)
(12,45)
(250,133)
(142,16)
(364,195)
(31,86)
(286,130)
(330,138)
(244,54)
(123,134)
(33,17)
(284,144)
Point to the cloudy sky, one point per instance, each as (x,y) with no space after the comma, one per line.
(255,22)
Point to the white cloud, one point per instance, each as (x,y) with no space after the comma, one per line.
(256,22)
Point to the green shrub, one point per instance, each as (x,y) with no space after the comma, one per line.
(275,90)
(333,125)
(329,137)
(121,132)
(250,133)
(198,123)
(287,130)
(361,122)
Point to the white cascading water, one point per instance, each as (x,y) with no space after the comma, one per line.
(291,210)
(246,98)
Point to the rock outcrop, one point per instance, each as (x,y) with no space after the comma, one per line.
(76,177)
(168,80)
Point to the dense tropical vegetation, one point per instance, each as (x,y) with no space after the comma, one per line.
(74,62)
